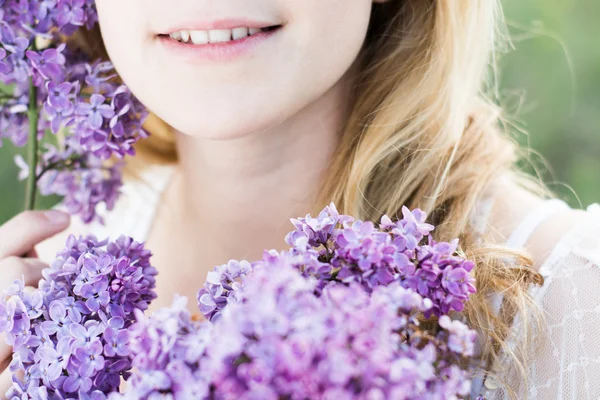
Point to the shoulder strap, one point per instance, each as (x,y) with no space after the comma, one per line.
(521,234)
(517,239)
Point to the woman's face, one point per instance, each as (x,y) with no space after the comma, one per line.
(237,88)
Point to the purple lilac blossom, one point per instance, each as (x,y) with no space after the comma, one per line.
(100,117)
(334,247)
(70,336)
(289,326)
(168,347)
(84,182)
(281,340)
(220,283)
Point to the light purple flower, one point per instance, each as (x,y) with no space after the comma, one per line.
(117,341)
(58,323)
(55,360)
(96,294)
(91,359)
(59,95)
(71,12)
(221,285)
(95,111)
(76,382)
(49,63)
(86,336)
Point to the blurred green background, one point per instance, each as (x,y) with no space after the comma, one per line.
(550,83)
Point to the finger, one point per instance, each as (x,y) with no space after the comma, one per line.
(31,254)
(6,359)
(19,235)
(28,269)
(5,381)
(5,353)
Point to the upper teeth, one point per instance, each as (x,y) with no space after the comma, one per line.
(213,36)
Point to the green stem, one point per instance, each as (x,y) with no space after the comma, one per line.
(62,164)
(32,144)
(32,147)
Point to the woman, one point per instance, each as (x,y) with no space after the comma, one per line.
(372,104)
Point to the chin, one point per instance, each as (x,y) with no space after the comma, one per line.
(221,130)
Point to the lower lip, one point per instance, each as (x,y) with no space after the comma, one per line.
(220,51)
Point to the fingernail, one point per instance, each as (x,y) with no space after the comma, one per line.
(56,217)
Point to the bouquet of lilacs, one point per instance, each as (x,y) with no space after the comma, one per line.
(337,316)
(47,87)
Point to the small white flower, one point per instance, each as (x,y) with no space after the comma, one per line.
(23,166)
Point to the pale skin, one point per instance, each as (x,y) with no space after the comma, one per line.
(239,180)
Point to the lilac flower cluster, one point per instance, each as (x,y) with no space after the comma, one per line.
(334,317)
(282,341)
(83,180)
(360,252)
(69,92)
(220,284)
(70,336)
(336,248)
(168,347)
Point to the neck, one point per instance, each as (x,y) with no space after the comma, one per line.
(258,181)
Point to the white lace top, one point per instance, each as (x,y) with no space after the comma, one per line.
(568,364)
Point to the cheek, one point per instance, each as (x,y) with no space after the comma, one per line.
(326,40)
(230,99)
(124,35)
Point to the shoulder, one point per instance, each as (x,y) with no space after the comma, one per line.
(132,215)
(550,228)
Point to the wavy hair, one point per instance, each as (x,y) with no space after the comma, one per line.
(423,132)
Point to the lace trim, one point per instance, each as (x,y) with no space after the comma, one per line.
(582,242)
(518,238)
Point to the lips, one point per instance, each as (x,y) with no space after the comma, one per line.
(216,45)
(202,37)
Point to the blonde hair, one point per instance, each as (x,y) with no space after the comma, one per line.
(422,133)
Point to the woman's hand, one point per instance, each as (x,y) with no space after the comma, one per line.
(18,259)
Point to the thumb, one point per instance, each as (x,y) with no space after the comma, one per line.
(19,235)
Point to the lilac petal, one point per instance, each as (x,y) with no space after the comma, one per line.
(89,265)
(106,111)
(47,354)
(95,120)
(49,327)
(56,124)
(71,384)
(78,331)
(87,290)
(54,371)
(86,369)
(93,304)
(82,108)
(57,310)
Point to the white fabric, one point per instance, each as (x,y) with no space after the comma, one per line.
(517,239)
(566,353)
(525,229)
(520,236)
(567,365)
(132,216)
